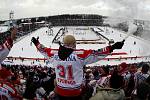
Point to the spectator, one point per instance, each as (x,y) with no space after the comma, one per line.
(104,77)
(96,74)
(122,68)
(142,75)
(143,90)
(5,74)
(115,92)
(130,80)
(69,65)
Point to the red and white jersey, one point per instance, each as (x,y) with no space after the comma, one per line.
(5,48)
(4,51)
(8,92)
(69,73)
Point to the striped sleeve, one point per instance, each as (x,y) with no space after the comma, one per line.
(47,52)
(105,50)
(92,56)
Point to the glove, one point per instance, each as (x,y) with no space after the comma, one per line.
(118,45)
(35,40)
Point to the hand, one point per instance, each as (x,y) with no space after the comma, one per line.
(34,40)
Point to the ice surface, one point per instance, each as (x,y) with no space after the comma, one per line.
(133,46)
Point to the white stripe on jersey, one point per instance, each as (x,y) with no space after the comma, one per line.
(79,52)
(54,51)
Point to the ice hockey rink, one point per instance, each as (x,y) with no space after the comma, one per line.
(134,50)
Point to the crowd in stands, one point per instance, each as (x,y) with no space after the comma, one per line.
(119,82)
(23,29)
(28,79)
(76,22)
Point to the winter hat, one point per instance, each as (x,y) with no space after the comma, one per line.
(65,50)
(69,40)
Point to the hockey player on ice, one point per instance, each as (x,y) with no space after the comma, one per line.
(69,61)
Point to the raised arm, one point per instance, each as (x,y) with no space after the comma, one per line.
(96,55)
(8,43)
(41,48)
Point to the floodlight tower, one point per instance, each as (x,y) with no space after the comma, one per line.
(11,18)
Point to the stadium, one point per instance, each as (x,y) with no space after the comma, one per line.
(106,61)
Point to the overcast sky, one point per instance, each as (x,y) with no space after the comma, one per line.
(117,8)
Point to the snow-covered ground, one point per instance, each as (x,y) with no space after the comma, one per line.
(134,47)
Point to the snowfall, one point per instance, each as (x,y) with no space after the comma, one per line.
(135,49)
